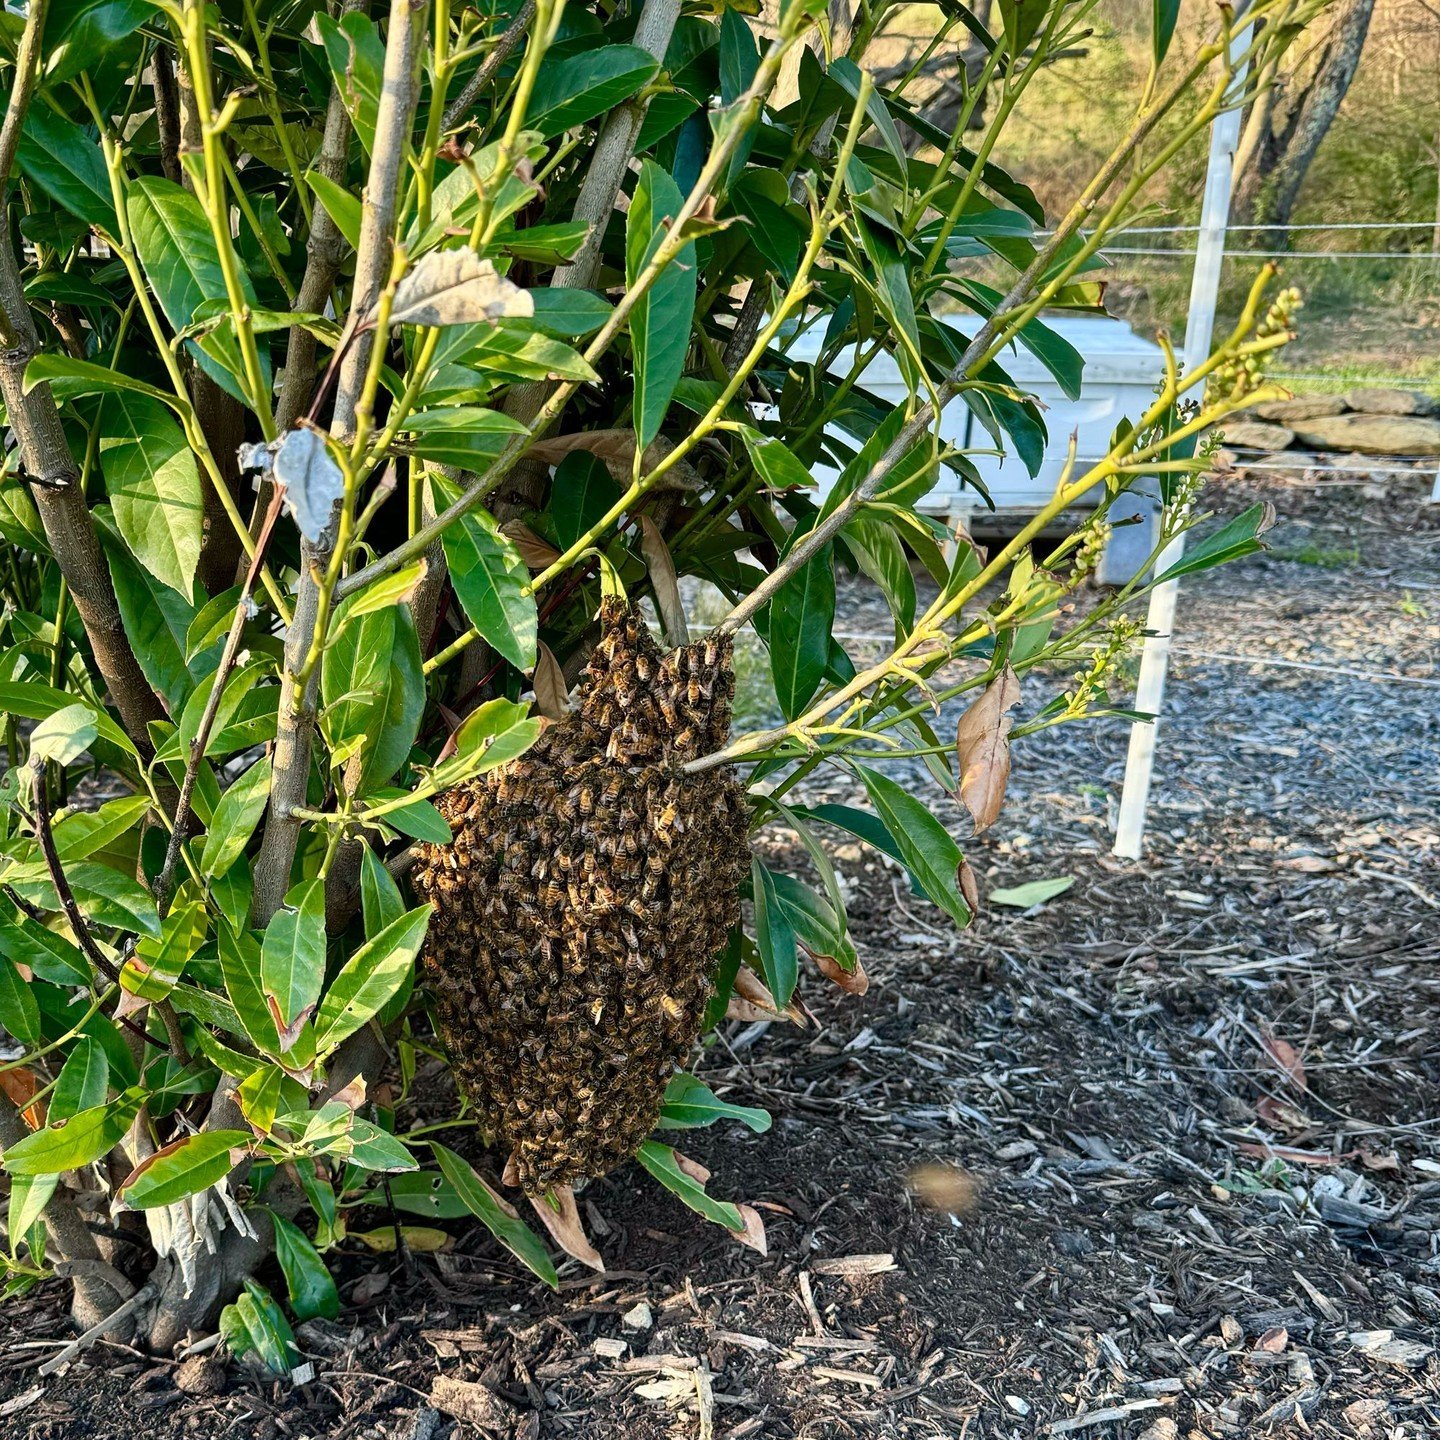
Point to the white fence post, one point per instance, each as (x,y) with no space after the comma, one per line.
(1199,330)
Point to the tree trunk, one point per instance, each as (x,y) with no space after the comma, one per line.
(1292,128)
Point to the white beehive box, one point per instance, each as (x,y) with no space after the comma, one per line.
(1121,372)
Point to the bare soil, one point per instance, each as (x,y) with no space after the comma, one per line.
(1197,1099)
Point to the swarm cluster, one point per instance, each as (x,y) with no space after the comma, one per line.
(582,904)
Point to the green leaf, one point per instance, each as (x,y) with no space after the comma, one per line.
(235,818)
(381,903)
(67,164)
(690,1103)
(814,921)
(1164,14)
(254,1324)
(1021,19)
(65,735)
(50,956)
(575,89)
(775,462)
(312,1291)
(260,1095)
(79,34)
(68,377)
(582,492)
(155,618)
(802,615)
(83,1082)
(864,826)
(82,832)
(774,937)
(570,313)
(1033,892)
(184,1167)
(340,205)
(357,62)
(372,975)
(157,965)
(154,487)
(420,820)
(19,1013)
(292,958)
(177,251)
(373,686)
(69,1144)
(660,319)
(466,436)
(929,852)
(30,701)
(879,553)
(492,581)
(104,895)
(496,1214)
(1233,540)
(660,1160)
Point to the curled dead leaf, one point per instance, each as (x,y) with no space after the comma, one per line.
(853,982)
(565,1227)
(535,552)
(616,448)
(1285,1057)
(455,287)
(552,695)
(19,1085)
(693,1168)
(753,1235)
(982,747)
(969,886)
(665,583)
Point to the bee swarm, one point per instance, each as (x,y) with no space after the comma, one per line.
(582,904)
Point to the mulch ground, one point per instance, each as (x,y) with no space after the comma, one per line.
(1188,1111)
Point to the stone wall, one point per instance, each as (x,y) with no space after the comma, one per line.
(1363,421)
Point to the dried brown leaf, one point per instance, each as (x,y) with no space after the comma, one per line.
(753,1235)
(565,1227)
(853,982)
(665,582)
(537,554)
(982,747)
(969,886)
(552,695)
(1285,1057)
(456,287)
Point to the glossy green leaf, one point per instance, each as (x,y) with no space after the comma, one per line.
(774,936)
(369,978)
(19,1013)
(292,956)
(157,965)
(235,818)
(66,162)
(577,88)
(154,486)
(1164,14)
(660,319)
(177,249)
(104,896)
(689,1104)
(661,1162)
(1232,541)
(68,377)
(71,1143)
(492,582)
(582,492)
(802,615)
(80,34)
(81,833)
(312,1291)
(930,854)
(182,1168)
(466,436)
(255,1325)
(496,1214)
(28,700)
(381,903)
(357,62)
(342,207)
(50,956)
(373,687)
(65,735)
(83,1082)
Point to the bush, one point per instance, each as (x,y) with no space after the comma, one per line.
(353,362)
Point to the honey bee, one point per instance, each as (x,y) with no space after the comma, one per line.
(553,897)
(587,800)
